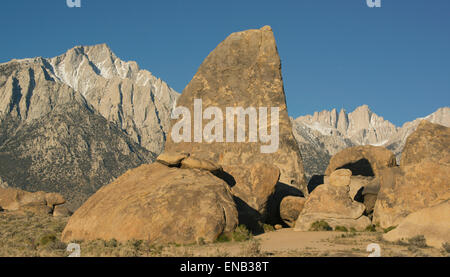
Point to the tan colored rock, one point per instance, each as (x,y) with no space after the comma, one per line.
(290,209)
(194,163)
(253,184)
(357,185)
(12,199)
(408,189)
(40,202)
(340,178)
(364,160)
(433,223)
(333,205)
(61,211)
(429,142)
(159,204)
(278,227)
(243,71)
(54,199)
(171,158)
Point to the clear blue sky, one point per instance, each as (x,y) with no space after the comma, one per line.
(335,53)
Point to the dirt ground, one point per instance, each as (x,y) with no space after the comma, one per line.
(24,235)
(289,243)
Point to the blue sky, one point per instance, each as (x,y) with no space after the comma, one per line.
(335,53)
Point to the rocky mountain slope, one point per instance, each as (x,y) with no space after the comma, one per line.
(324,133)
(73,123)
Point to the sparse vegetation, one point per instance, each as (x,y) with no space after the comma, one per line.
(418,241)
(321,225)
(24,235)
(370,228)
(241,233)
(252,249)
(341,229)
(268,228)
(388,229)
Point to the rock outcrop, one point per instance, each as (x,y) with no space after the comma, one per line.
(362,160)
(429,142)
(243,71)
(333,205)
(290,209)
(408,189)
(421,181)
(433,223)
(159,204)
(40,203)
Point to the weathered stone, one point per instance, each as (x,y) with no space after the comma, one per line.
(194,163)
(433,223)
(429,142)
(333,205)
(253,186)
(364,160)
(290,208)
(340,178)
(171,158)
(53,199)
(36,202)
(278,227)
(159,204)
(243,71)
(408,189)
(61,211)
(357,185)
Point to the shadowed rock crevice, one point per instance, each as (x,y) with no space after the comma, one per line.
(361,167)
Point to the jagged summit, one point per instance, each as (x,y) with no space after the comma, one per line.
(324,133)
(74,122)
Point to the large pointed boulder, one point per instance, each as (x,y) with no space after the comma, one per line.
(243,71)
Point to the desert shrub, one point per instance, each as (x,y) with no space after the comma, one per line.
(241,233)
(268,228)
(418,241)
(224,238)
(46,239)
(111,243)
(321,225)
(201,241)
(370,228)
(340,229)
(446,247)
(388,229)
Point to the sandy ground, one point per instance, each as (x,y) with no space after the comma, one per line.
(289,243)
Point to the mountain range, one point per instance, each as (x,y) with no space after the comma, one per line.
(325,133)
(75,122)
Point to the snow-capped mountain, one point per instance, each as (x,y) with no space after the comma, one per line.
(325,133)
(74,122)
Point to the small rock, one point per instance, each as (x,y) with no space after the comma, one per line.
(194,163)
(61,211)
(171,158)
(278,227)
(54,199)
